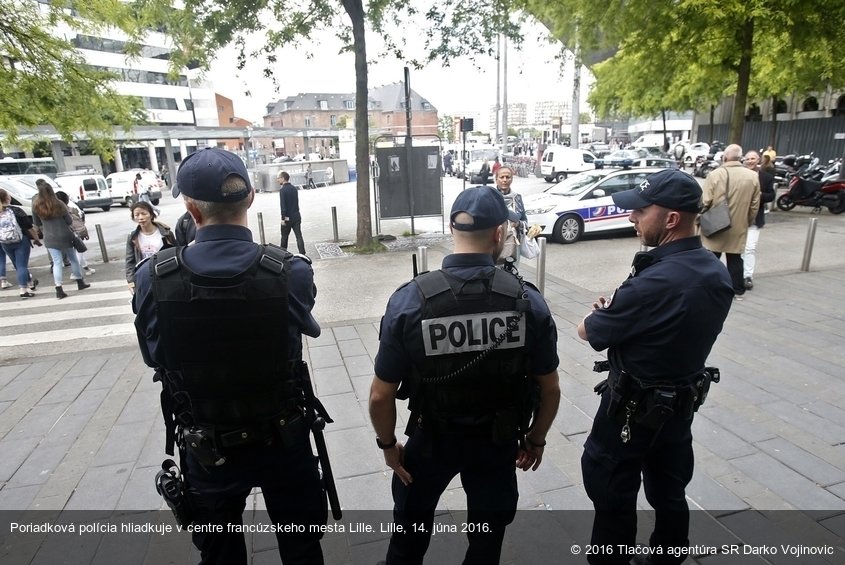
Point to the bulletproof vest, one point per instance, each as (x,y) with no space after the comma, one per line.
(214,333)
(472,368)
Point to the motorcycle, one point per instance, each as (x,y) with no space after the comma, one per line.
(705,165)
(813,193)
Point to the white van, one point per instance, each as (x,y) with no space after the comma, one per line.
(648,141)
(559,161)
(122,186)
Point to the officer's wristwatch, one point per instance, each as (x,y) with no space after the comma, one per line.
(388,445)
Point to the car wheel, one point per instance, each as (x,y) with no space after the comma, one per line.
(154,201)
(106,208)
(785,203)
(548,179)
(127,202)
(560,176)
(569,228)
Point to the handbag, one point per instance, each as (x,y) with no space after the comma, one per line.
(78,244)
(717,218)
(528,247)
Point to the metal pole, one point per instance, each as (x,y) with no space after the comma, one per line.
(422,253)
(541,264)
(261,228)
(334,224)
(808,245)
(409,146)
(102,242)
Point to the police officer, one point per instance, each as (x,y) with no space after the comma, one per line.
(470,345)
(222,322)
(658,328)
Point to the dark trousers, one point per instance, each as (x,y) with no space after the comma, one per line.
(488,475)
(612,471)
(291,485)
(735,269)
(297,231)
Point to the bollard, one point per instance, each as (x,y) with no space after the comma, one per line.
(541,264)
(334,224)
(808,245)
(261,228)
(422,253)
(102,241)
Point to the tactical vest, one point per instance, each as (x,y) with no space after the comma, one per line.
(475,369)
(218,373)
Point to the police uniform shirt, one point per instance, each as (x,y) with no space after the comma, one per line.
(223,251)
(401,339)
(662,322)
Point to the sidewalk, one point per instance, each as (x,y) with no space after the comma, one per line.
(83,432)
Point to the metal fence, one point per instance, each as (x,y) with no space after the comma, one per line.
(793,136)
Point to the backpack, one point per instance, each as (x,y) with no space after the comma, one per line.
(10,230)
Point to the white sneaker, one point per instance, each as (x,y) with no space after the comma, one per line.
(5,285)
(88,270)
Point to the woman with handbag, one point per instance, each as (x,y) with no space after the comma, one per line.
(145,240)
(16,239)
(52,216)
(79,228)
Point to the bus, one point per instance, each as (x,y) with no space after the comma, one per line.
(28,166)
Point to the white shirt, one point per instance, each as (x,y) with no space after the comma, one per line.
(149,244)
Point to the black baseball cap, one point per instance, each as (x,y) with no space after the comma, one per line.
(202,173)
(670,188)
(485,204)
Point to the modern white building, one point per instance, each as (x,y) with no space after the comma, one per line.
(184,100)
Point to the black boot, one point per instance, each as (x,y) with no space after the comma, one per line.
(60,293)
(81,284)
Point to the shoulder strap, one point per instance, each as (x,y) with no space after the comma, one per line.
(727,184)
(432,283)
(506,284)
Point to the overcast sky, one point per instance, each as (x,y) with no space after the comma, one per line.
(533,75)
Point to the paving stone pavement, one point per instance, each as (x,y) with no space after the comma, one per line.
(84,432)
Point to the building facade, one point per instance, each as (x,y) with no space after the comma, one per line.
(517,115)
(321,116)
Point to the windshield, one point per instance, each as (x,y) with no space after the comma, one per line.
(18,189)
(481,154)
(576,183)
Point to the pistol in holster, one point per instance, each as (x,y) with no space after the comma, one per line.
(172,488)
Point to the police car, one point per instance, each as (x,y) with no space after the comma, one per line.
(582,203)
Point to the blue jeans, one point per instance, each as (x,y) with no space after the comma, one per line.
(56,256)
(19,254)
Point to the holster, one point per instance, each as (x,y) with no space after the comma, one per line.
(172,488)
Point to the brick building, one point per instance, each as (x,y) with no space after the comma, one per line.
(321,115)
(226,118)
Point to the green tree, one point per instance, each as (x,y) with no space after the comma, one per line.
(446,129)
(449,28)
(681,54)
(44,80)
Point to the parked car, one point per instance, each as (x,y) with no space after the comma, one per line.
(87,189)
(582,204)
(694,151)
(559,161)
(621,158)
(20,192)
(599,149)
(122,185)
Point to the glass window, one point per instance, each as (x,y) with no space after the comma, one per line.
(333,120)
(308,122)
(615,184)
(324,105)
(349,104)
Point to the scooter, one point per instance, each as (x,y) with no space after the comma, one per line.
(806,192)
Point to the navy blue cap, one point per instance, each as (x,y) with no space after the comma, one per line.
(670,188)
(485,204)
(202,173)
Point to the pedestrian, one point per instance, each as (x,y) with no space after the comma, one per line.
(141,189)
(770,153)
(52,216)
(741,188)
(518,224)
(658,327)
(469,400)
(147,239)
(289,207)
(16,239)
(185,230)
(767,194)
(447,163)
(309,178)
(496,166)
(78,227)
(484,172)
(222,321)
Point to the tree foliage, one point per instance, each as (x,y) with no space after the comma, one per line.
(43,79)
(688,54)
(448,29)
